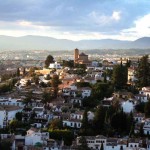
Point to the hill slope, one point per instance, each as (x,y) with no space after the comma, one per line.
(47,43)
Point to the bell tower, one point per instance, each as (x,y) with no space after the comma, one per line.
(76,54)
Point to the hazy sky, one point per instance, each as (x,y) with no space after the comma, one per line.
(76,19)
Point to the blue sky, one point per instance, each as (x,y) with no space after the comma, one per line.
(76,19)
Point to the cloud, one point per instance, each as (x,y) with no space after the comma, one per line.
(102,19)
(116,15)
(75,19)
(141,27)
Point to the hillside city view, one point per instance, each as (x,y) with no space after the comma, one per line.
(75,75)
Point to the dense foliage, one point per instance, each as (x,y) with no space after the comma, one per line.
(143,72)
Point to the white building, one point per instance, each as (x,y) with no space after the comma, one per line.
(138,117)
(146,127)
(55,66)
(131,75)
(98,76)
(12,102)
(86,92)
(23,82)
(66,91)
(42,79)
(145,91)
(35,136)
(7,113)
(38,110)
(128,106)
(141,97)
(94,142)
(116,144)
(95,63)
(73,86)
(133,143)
(76,101)
(74,121)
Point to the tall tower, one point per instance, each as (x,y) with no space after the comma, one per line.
(76,54)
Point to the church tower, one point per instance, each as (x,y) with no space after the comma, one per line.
(76,54)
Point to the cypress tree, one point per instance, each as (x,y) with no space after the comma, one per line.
(49,60)
(119,76)
(143,72)
(102,147)
(18,72)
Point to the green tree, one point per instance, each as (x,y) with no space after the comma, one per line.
(81,66)
(83,144)
(83,84)
(69,63)
(109,72)
(121,147)
(54,83)
(66,135)
(99,119)
(102,147)
(49,60)
(140,107)
(32,116)
(101,90)
(13,125)
(147,109)
(18,72)
(18,116)
(130,124)
(143,72)
(28,98)
(56,124)
(24,71)
(85,123)
(46,97)
(105,78)
(128,64)
(5,145)
(90,102)
(119,76)
(119,122)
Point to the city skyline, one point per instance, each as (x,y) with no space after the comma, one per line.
(76,19)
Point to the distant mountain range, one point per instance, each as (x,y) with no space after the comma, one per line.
(47,43)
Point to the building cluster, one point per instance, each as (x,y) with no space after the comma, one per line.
(96,142)
(36,139)
(27,99)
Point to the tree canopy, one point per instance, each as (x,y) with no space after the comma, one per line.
(119,76)
(143,72)
(49,60)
